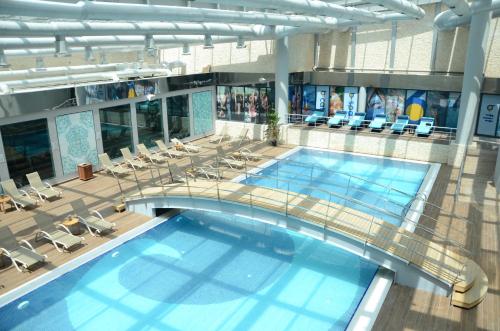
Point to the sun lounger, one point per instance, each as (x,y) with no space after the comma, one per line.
(242,136)
(424,128)
(202,170)
(152,157)
(44,190)
(400,124)
(22,257)
(176,174)
(357,120)
(59,238)
(230,161)
(338,119)
(95,224)
(378,123)
(315,117)
(134,162)
(190,148)
(113,167)
(171,153)
(220,137)
(246,154)
(19,198)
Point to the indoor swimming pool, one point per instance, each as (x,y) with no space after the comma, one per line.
(379,186)
(202,271)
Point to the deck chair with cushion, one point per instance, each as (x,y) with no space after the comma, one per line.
(378,123)
(19,198)
(357,120)
(112,167)
(43,190)
(176,174)
(400,124)
(424,128)
(95,224)
(316,117)
(338,119)
(219,137)
(132,161)
(171,153)
(246,154)
(152,157)
(59,238)
(190,148)
(229,161)
(22,254)
(204,170)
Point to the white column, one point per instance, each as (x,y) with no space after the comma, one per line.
(135,129)
(474,70)
(362,99)
(281,78)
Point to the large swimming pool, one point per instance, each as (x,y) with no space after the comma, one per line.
(215,271)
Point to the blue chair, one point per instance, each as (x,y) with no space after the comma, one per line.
(424,128)
(357,120)
(315,117)
(338,119)
(400,124)
(378,123)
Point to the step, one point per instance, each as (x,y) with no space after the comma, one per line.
(474,295)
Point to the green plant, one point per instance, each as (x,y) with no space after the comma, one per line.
(273,128)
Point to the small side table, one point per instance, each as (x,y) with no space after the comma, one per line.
(4,199)
(73,225)
(85,171)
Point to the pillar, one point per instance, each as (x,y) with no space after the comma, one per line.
(474,70)
(362,99)
(281,79)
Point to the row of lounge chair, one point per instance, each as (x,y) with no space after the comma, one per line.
(379,122)
(24,256)
(22,199)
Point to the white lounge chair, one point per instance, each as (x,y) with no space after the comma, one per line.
(152,157)
(245,153)
(190,148)
(19,198)
(243,136)
(171,153)
(113,167)
(44,190)
(202,170)
(22,257)
(220,137)
(59,238)
(96,225)
(230,161)
(134,162)
(176,174)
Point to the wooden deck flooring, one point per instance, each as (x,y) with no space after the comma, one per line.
(404,309)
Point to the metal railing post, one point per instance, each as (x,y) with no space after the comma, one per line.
(218,192)
(137,182)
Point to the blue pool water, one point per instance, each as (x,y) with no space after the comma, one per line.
(317,172)
(202,271)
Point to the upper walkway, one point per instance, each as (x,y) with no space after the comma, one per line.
(447,265)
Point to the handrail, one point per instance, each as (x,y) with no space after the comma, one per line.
(327,218)
(460,172)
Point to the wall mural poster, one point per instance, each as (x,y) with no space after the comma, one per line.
(394,104)
(237,109)
(295,99)
(251,101)
(94,94)
(309,99)
(351,100)
(415,105)
(437,106)
(336,100)
(452,112)
(223,93)
(488,115)
(375,102)
(322,102)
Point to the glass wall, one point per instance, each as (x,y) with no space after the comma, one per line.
(116,129)
(27,149)
(244,104)
(178,116)
(149,122)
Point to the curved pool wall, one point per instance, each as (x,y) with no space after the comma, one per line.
(202,271)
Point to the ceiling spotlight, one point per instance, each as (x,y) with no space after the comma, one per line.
(89,54)
(3,60)
(208,44)
(240,43)
(39,64)
(61,47)
(185,49)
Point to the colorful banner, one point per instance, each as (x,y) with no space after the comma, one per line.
(375,102)
(309,99)
(351,100)
(452,112)
(415,105)
(394,104)
(322,98)
(336,100)
(488,115)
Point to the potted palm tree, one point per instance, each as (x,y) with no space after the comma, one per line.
(273,129)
